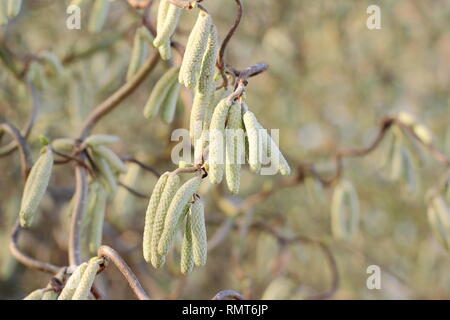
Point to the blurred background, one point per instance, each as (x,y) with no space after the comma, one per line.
(331,81)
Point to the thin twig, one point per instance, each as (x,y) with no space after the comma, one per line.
(111,255)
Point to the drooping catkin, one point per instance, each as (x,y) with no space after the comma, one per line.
(159,93)
(252,130)
(13,8)
(87,279)
(73,282)
(162,13)
(3,14)
(195,50)
(99,139)
(234,148)
(166,29)
(439,219)
(199,238)
(50,295)
(113,160)
(187,257)
(170,102)
(63,144)
(169,193)
(178,203)
(35,295)
(199,105)
(36,187)
(206,84)
(344,211)
(150,215)
(217,142)
(98,15)
(124,205)
(98,216)
(275,154)
(138,53)
(106,173)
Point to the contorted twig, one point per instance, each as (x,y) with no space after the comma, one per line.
(111,255)
(25,259)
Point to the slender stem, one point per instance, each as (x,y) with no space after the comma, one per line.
(142,165)
(25,259)
(133,191)
(114,100)
(20,141)
(220,60)
(111,255)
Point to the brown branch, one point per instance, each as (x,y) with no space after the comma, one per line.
(228,294)
(110,254)
(25,259)
(142,165)
(220,61)
(20,141)
(114,100)
(133,191)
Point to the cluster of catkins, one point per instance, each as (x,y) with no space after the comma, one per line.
(172,207)
(9,9)
(77,286)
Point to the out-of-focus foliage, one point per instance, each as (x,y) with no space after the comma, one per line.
(331,80)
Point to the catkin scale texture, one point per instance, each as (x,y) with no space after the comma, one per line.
(170,102)
(199,105)
(167,28)
(199,238)
(195,50)
(36,187)
(35,295)
(181,198)
(113,160)
(159,93)
(99,139)
(254,152)
(87,280)
(170,190)
(150,215)
(73,282)
(234,148)
(206,84)
(217,142)
(187,258)
(98,216)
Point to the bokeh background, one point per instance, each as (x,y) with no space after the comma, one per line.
(331,80)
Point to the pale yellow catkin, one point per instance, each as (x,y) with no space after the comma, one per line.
(254,152)
(98,216)
(150,215)
(167,28)
(3,14)
(195,50)
(113,159)
(124,206)
(344,211)
(178,203)
(165,51)
(439,219)
(206,84)
(199,237)
(217,142)
(187,257)
(73,282)
(162,13)
(274,152)
(13,8)
(170,102)
(170,190)
(234,148)
(137,54)
(35,187)
(199,105)
(98,15)
(63,144)
(35,295)
(99,139)
(50,295)
(106,173)
(87,280)
(159,93)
